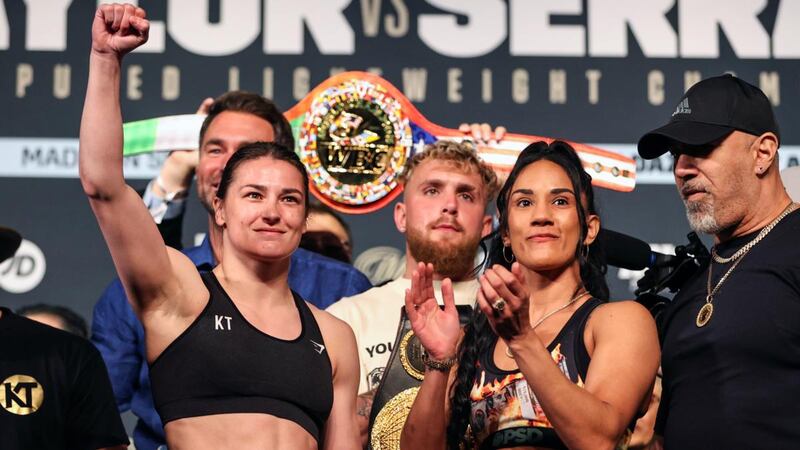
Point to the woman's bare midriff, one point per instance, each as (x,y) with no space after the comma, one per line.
(237,431)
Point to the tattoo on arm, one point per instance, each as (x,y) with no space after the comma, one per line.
(364,403)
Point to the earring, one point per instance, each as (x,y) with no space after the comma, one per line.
(508,259)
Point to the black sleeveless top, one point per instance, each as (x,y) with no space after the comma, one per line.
(223,364)
(505,411)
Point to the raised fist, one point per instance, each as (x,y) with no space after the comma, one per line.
(117,29)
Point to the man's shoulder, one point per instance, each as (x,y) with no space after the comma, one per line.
(338,279)
(786,237)
(308,258)
(386,290)
(376,298)
(45,341)
(323,281)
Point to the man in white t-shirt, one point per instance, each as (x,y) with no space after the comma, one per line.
(443,215)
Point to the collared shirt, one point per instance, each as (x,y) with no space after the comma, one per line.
(119,335)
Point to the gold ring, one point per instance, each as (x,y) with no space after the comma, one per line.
(499,304)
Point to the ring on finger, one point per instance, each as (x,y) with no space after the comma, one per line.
(499,304)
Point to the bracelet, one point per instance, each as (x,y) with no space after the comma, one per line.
(435,364)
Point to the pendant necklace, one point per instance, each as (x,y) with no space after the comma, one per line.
(704,315)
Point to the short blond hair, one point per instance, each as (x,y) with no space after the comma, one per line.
(461,154)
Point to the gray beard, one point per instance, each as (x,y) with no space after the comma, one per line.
(701,217)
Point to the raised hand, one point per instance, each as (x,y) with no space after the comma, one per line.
(438,330)
(505,301)
(117,29)
(183,162)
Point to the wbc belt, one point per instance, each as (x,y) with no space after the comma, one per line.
(354,133)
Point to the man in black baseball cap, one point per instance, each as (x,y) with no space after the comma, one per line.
(708,112)
(730,341)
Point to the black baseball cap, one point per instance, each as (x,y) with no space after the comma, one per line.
(709,111)
(9,243)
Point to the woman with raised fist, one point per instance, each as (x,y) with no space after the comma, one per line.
(237,359)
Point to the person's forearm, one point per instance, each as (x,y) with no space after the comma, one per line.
(363,410)
(100,156)
(426,424)
(581,420)
(175,176)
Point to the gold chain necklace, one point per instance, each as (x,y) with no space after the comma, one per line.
(739,253)
(704,315)
(546,316)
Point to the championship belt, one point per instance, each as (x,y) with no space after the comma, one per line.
(398,387)
(354,133)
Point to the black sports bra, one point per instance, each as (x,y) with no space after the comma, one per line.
(223,364)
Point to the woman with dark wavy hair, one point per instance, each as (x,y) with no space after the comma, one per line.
(547,361)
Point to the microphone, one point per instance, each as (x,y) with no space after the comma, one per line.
(663,271)
(627,252)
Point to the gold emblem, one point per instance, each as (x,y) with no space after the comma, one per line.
(21,395)
(704,315)
(411,356)
(354,141)
(389,422)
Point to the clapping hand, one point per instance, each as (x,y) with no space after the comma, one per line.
(438,330)
(118,29)
(504,300)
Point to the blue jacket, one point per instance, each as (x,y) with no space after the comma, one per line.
(119,335)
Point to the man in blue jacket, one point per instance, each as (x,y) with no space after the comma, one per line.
(234,119)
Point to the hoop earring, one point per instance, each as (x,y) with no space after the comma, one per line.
(508,259)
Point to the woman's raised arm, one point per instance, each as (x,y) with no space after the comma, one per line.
(145,265)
